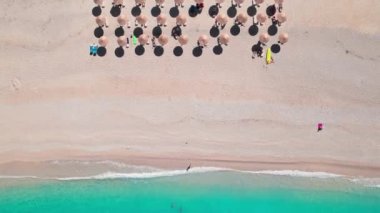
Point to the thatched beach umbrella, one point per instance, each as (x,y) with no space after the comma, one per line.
(101,21)
(161,20)
(163,40)
(183,40)
(118,2)
(281,17)
(181,20)
(143,39)
(279,1)
(203,40)
(142,20)
(283,38)
(261,18)
(224,38)
(103,41)
(239,2)
(160,3)
(122,20)
(242,18)
(264,38)
(99,2)
(259,1)
(122,41)
(221,19)
(140,2)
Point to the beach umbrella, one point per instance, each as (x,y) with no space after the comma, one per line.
(99,2)
(163,40)
(279,1)
(264,38)
(142,19)
(283,38)
(281,17)
(261,18)
(161,19)
(122,20)
(222,19)
(259,1)
(239,2)
(181,19)
(160,2)
(179,2)
(203,40)
(224,38)
(103,41)
(242,18)
(118,2)
(122,41)
(143,39)
(142,2)
(101,20)
(183,39)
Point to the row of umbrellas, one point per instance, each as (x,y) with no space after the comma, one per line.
(181,19)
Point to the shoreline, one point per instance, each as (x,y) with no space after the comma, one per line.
(26,166)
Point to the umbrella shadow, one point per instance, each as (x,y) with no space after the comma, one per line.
(218,49)
(176,31)
(193,11)
(214,31)
(157,31)
(138,31)
(158,51)
(271,10)
(178,51)
(119,52)
(98,32)
(102,51)
(235,30)
(275,48)
(213,11)
(252,10)
(96,11)
(140,50)
(232,11)
(174,11)
(136,11)
(272,30)
(156,11)
(197,51)
(253,30)
(119,31)
(115,11)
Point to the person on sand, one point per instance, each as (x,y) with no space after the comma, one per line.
(257,50)
(199,5)
(319,127)
(93,49)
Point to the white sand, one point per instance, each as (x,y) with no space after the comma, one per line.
(54,96)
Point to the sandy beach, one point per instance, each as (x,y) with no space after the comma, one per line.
(59,103)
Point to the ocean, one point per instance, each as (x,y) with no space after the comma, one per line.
(200,190)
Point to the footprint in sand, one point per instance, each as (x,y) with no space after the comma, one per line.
(16,84)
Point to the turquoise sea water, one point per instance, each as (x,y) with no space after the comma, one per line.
(205,192)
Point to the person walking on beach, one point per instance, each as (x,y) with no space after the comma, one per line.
(188,168)
(93,49)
